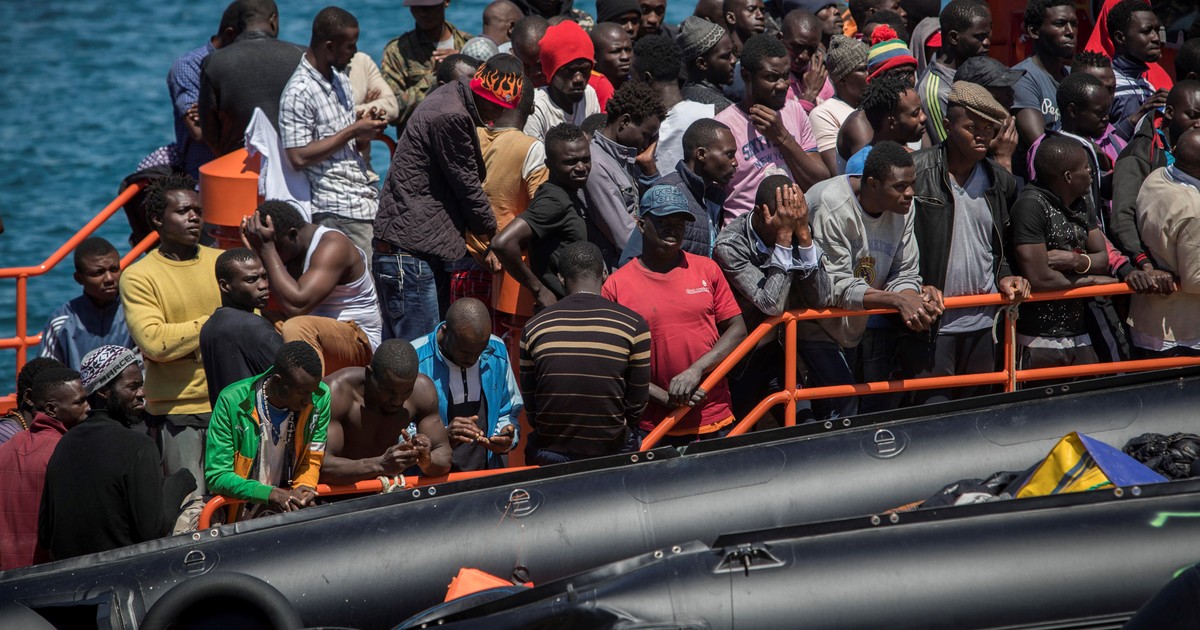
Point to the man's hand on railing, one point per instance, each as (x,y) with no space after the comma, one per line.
(912,308)
(1015,289)
(932,296)
(1151,282)
(685,390)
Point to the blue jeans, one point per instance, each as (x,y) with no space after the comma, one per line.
(828,365)
(413,293)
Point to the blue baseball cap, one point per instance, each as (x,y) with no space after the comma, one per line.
(663,201)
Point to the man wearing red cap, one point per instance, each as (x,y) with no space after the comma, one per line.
(567,57)
(409,60)
(433,195)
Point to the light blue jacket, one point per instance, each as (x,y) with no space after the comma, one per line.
(504,402)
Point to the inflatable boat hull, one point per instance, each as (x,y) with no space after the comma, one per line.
(373,561)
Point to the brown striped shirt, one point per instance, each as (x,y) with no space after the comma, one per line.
(585,374)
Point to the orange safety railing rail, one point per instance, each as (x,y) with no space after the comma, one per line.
(21,341)
(361,487)
(1010,376)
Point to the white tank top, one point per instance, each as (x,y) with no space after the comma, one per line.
(355,301)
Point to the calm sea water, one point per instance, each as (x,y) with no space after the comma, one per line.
(84,98)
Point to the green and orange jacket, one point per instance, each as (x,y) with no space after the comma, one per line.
(231,453)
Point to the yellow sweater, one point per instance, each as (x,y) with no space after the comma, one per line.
(166,302)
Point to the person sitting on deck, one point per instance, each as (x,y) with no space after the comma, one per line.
(266,440)
(104,483)
(694,320)
(95,318)
(236,342)
(321,283)
(384,420)
(61,404)
(20,418)
(477,396)
(585,368)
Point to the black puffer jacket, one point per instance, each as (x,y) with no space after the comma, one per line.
(434,188)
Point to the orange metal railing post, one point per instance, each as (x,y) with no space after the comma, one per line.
(1010,349)
(21,339)
(789,370)
(22,323)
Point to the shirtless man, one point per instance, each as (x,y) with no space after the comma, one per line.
(370,411)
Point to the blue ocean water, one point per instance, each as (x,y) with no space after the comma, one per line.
(84,98)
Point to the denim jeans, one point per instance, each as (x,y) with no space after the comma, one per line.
(828,365)
(414,293)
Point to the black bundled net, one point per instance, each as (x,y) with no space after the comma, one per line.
(1172,456)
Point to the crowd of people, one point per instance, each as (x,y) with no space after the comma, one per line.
(583,216)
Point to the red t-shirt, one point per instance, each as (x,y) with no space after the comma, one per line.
(682,307)
(604,89)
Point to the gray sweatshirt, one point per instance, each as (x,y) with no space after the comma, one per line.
(862,252)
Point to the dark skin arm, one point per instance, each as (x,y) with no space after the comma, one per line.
(918,310)
(684,389)
(507,246)
(368,125)
(429,449)
(1030,125)
(1034,261)
(329,264)
(808,168)
(855,134)
(423,405)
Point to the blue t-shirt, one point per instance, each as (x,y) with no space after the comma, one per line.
(1037,90)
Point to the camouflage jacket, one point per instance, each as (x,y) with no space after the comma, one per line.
(408,67)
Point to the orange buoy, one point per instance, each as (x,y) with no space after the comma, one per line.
(229,192)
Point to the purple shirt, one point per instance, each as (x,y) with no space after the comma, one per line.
(758,157)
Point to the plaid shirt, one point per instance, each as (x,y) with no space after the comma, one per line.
(310,109)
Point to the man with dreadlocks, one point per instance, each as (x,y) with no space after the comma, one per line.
(167,296)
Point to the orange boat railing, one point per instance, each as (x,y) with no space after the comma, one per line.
(792,393)
(1010,376)
(22,340)
(411,484)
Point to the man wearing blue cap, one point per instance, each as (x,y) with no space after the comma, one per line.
(694,319)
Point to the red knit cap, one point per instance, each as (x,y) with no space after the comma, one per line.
(563,43)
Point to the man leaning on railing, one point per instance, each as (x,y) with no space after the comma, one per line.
(771,262)
(865,227)
(962,202)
